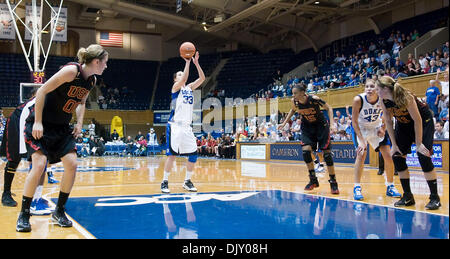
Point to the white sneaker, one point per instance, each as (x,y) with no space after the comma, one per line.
(319,169)
(165,187)
(40,208)
(188,185)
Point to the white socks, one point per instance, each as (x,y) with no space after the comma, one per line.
(166,176)
(187,177)
(38,193)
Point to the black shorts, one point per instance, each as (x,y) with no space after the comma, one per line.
(57,141)
(405,136)
(316,135)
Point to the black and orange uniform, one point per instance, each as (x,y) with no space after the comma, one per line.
(13,148)
(11,138)
(57,140)
(404,125)
(315,128)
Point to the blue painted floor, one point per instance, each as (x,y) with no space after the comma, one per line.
(270,214)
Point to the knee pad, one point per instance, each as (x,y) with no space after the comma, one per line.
(11,166)
(426,163)
(193,158)
(307,156)
(328,157)
(399,163)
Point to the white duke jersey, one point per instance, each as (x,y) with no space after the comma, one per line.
(183,101)
(370,114)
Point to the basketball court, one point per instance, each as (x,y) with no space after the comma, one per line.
(120,197)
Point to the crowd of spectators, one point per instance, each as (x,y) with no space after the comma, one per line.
(224,146)
(110,96)
(370,58)
(438,102)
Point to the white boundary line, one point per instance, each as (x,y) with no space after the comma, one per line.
(76,225)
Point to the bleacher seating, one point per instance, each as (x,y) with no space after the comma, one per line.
(138,76)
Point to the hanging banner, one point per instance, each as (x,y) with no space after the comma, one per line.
(29,19)
(7,30)
(61,24)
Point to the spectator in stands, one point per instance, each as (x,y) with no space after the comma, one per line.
(85,150)
(201,149)
(100,143)
(226,147)
(341,81)
(354,80)
(415,35)
(443,83)
(394,73)
(277,77)
(103,104)
(152,138)
(444,59)
(342,124)
(432,97)
(445,47)
(372,48)
(296,129)
(385,57)
(138,136)
(441,103)
(129,145)
(349,72)
(411,70)
(425,67)
(79,138)
(332,85)
(115,136)
(439,132)
(395,48)
(433,67)
(443,114)
(100,100)
(310,86)
(212,145)
(91,128)
(92,145)
(112,104)
(141,146)
(422,60)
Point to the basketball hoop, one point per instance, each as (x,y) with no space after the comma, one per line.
(35,30)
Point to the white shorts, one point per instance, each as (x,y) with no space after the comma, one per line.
(180,140)
(370,135)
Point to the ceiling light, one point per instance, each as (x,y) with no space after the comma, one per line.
(316,2)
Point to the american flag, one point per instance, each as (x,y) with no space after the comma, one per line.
(111,39)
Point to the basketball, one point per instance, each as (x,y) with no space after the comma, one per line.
(187,50)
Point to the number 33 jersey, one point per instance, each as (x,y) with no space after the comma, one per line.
(182,106)
(370,114)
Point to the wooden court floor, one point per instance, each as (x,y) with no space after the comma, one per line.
(120,176)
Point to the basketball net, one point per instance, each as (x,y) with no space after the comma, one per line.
(36,31)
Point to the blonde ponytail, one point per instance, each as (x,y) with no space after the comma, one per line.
(94,51)
(399,93)
(81,55)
